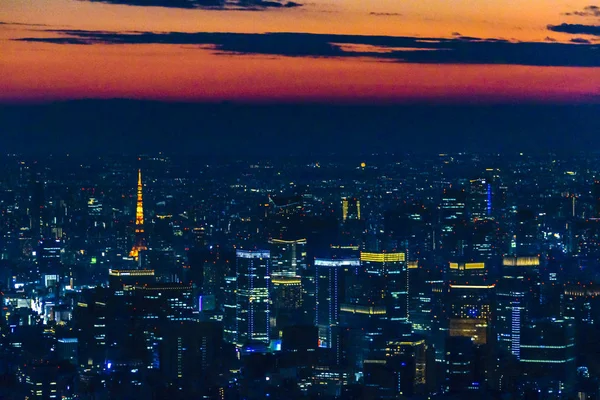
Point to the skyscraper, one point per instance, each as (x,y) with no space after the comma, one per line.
(480,199)
(252,296)
(140,239)
(350,208)
(288,257)
(331,285)
(289,267)
(453,222)
(526,233)
(469,300)
(548,355)
(391,270)
(516,297)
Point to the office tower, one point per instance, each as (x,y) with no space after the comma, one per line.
(41,380)
(252,296)
(526,233)
(207,269)
(92,315)
(410,227)
(353,227)
(230,308)
(453,222)
(331,293)
(469,301)
(461,366)
(140,238)
(467,350)
(548,354)
(288,257)
(299,347)
(376,306)
(191,354)
(517,295)
(37,208)
(408,359)
(485,240)
(479,202)
(164,301)
(163,236)
(289,272)
(390,271)
(163,262)
(350,208)
(421,301)
(49,256)
(66,349)
(286,297)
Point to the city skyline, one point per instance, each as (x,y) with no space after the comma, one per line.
(450,275)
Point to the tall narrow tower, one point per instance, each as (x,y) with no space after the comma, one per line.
(140,242)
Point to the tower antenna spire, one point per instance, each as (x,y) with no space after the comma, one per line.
(140,242)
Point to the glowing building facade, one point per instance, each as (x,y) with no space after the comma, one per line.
(331,293)
(252,296)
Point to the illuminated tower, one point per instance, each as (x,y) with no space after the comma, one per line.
(252,296)
(140,243)
(350,208)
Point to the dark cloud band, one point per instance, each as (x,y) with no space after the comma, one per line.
(204,4)
(576,29)
(456,50)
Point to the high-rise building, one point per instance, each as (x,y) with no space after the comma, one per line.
(286,297)
(526,233)
(350,208)
(91,317)
(453,222)
(485,240)
(469,295)
(41,381)
(331,293)
(191,353)
(461,366)
(517,293)
(479,202)
(469,311)
(390,271)
(410,228)
(548,355)
(288,267)
(288,257)
(230,308)
(66,349)
(49,255)
(163,262)
(376,306)
(140,238)
(252,296)
(37,208)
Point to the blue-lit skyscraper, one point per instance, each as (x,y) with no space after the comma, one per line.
(331,285)
(252,296)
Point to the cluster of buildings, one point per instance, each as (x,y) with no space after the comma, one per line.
(416,279)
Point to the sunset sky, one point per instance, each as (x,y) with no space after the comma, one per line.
(378,50)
